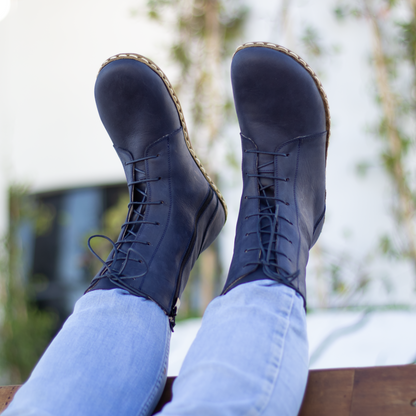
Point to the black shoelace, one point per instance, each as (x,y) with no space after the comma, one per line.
(268,219)
(124,247)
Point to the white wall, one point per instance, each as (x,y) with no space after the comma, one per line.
(51,50)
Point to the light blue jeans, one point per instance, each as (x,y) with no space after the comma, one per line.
(250,357)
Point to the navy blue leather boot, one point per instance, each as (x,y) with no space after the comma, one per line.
(175,210)
(284,120)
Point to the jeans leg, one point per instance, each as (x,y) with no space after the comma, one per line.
(110,358)
(250,356)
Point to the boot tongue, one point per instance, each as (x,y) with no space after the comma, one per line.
(266,168)
(267,205)
(134,172)
(138,194)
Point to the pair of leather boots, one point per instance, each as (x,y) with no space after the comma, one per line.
(176,211)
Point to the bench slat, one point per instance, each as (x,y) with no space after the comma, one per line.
(372,391)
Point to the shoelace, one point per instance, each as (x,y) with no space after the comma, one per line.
(123,247)
(268,222)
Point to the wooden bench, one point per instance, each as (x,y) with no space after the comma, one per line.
(373,391)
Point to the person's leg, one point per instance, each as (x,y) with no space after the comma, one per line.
(110,358)
(250,356)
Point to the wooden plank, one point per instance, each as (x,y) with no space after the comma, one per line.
(166,395)
(373,391)
(384,391)
(328,393)
(6,395)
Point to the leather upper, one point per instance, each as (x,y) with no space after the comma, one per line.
(134,105)
(174,213)
(283,121)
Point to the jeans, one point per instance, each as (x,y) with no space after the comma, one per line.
(250,357)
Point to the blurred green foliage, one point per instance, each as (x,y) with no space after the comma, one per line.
(25,330)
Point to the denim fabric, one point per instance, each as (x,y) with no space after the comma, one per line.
(110,358)
(250,357)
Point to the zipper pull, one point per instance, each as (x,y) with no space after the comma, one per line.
(173,314)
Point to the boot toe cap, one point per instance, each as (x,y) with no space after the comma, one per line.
(275,95)
(133,101)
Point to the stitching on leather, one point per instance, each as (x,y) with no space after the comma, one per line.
(298,59)
(209,197)
(168,140)
(319,220)
(155,68)
(209,222)
(160,381)
(296,205)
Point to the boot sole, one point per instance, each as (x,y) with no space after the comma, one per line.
(158,71)
(298,59)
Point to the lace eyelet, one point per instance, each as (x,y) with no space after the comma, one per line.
(246,218)
(287,154)
(287,203)
(148,243)
(287,179)
(246,235)
(245,197)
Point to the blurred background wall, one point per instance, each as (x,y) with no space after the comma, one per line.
(61,181)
